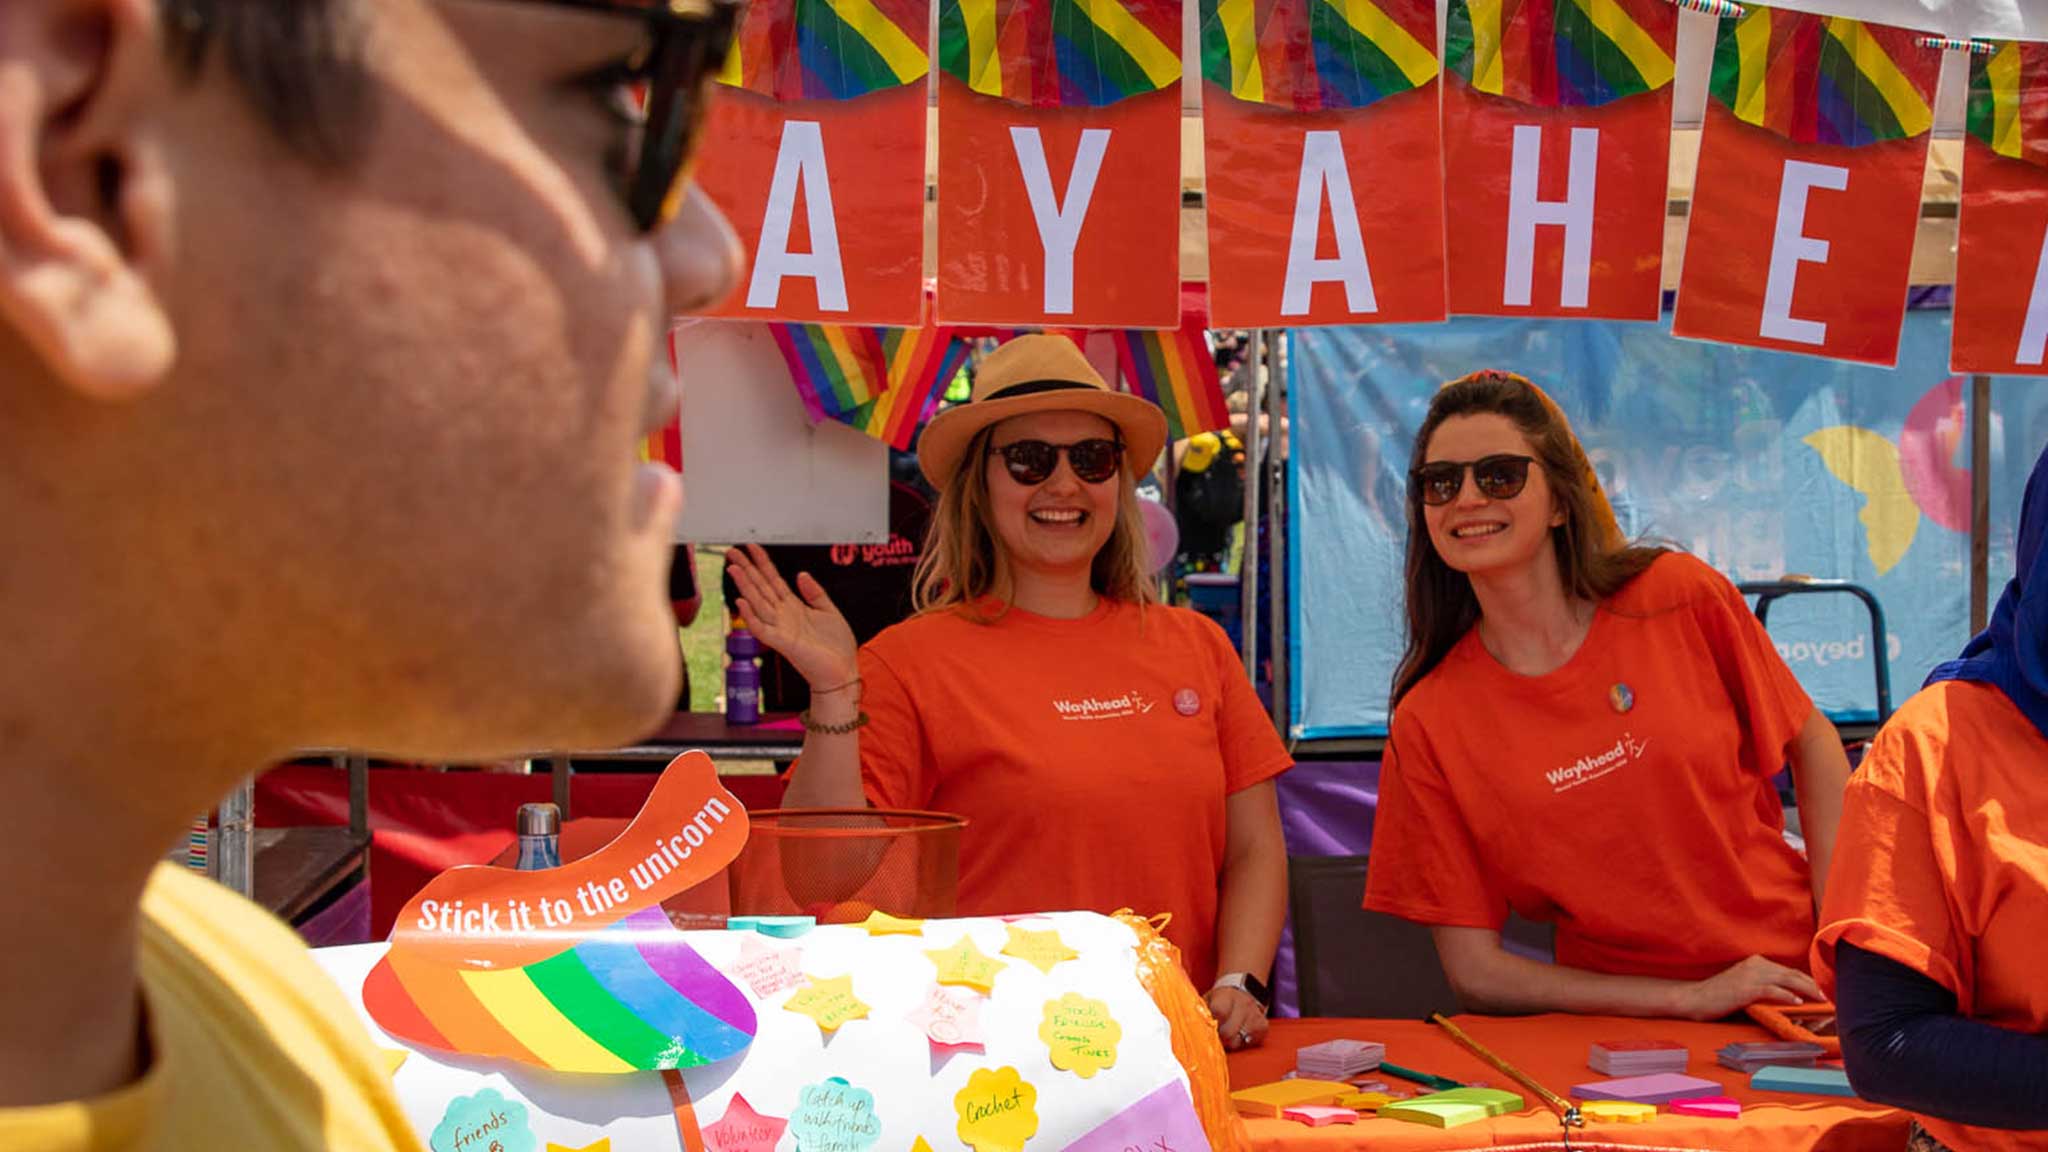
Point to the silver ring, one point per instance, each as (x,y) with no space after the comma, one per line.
(1244,1036)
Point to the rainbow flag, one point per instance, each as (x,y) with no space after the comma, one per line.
(665,446)
(1562,53)
(1061,53)
(2009,100)
(881,381)
(1824,79)
(828,49)
(1175,370)
(1312,55)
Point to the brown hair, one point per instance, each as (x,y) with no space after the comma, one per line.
(963,562)
(299,62)
(1593,558)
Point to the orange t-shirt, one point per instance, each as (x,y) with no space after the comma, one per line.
(1942,865)
(1650,834)
(1090,757)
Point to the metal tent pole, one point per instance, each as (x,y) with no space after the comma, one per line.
(1980,502)
(1248,566)
(1276,533)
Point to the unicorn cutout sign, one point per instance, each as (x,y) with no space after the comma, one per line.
(576,969)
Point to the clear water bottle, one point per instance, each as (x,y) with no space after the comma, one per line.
(540,837)
(742,675)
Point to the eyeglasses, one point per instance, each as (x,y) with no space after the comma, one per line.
(1032,461)
(1499,477)
(687,44)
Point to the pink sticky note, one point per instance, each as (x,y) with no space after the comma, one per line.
(1318,1115)
(1718,1107)
(950,1016)
(742,1129)
(1165,1121)
(767,969)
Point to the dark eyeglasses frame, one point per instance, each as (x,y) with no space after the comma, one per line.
(1508,489)
(1038,471)
(687,44)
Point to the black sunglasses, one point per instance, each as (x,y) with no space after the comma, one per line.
(1498,477)
(687,45)
(1032,461)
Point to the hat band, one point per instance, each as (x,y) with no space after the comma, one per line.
(1034,387)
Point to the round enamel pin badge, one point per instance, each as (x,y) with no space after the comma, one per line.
(1621,697)
(1187,702)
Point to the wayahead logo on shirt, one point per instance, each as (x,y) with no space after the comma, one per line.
(1103,708)
(1593,766)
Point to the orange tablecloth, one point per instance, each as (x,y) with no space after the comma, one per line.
(1553,1050)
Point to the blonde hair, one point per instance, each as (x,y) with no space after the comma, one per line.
(964,563)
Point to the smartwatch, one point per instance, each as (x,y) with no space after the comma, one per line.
(1244,982)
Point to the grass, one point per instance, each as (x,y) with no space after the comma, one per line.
(704,639)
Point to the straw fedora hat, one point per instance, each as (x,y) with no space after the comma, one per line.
(1038,373)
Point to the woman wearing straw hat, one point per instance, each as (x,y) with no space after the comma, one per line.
(1586,731)
(1107,751)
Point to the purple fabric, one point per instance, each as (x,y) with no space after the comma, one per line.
(1326,809)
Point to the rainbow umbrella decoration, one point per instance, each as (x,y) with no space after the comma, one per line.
(828,49)
(1824,79)
(634,997)
(2008,107)
(1562,53)
(1315,55)
(1061,53)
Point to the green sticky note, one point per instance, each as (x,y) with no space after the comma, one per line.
(1494,1100)
(1434,1113)
(485,1120)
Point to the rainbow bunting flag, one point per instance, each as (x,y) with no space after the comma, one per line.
(1175,370)
(1314,55)
(828,49)
(2009,100)
(882,381)
(1061,53)
(1824,79)
(1562,53)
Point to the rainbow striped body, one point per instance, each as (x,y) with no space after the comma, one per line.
(1061,53)
(634,997)
(1562,53)
(828,49)
(2008,108)
(1315,55)
(1824,79)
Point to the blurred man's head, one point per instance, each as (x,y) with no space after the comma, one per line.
(326,341)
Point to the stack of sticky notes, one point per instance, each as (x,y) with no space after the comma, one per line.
(1453,1108)
(1636,1057)
(1714,1107)
(1619,1112)
(1816,1081)
(1318,1115)
(1661,1088)
(1270,1100)
(1496,1101)
(1748,1057)
(1338,1059)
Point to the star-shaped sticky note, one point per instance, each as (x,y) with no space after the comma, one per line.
(742,1129)
(920,1145)
(393,1059)
(950,1017)
(604,1144)
(1041,950)
(880,923)
(966,965)
(830,1002)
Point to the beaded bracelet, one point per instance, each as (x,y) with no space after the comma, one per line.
(859,722)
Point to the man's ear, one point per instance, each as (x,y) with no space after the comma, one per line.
(86,208)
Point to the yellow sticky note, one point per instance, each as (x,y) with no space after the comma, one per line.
(920,1145)
(830,1002)
(1270,1099)
(1619,1111)
(1081,1034)
(393,1058)
(1041,950)
(880,923)
(1367,1101)
(966,965)
(998,1110)
(603,1145)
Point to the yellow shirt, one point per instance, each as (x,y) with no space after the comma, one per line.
(252,1046)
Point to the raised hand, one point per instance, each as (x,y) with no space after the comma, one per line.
(803,625)
(1752,981)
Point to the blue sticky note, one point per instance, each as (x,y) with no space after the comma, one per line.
(1813,1081)
(485,1122)
(834,1116)
(784,927)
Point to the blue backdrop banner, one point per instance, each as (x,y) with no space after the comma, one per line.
(1761,463)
